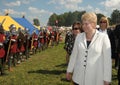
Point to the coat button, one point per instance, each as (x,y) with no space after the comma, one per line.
(84,65)
(86,51)
(84,60)
(86,56)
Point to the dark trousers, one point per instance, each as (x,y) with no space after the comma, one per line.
(119,73)
(116,60)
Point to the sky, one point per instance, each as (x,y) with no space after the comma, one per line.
(43,9)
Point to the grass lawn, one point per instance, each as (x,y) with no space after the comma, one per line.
(44,68)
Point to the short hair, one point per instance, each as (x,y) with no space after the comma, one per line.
(105,19)
(89,16)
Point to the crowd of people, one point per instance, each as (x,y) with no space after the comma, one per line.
(16,46)
(90,52)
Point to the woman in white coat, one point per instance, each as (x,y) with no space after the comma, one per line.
(90,61)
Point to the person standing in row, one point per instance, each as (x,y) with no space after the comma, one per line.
(117,33)
(70,38)
(90,61)
(12,47)
(2,51)
(104,28)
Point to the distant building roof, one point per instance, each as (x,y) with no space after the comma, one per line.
(8,21)
(26,24)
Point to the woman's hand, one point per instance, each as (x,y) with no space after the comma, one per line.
(106,83)
(68,76)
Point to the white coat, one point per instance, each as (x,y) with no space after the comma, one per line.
(92,65)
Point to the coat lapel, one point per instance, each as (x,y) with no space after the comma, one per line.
(84,40)
(94,38)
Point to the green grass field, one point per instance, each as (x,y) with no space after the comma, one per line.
(44,68)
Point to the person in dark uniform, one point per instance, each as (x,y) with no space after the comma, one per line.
(12,47)
(117,32)
(27,43)
(35,42)
(21,48)
(41,39)
(45,38)
(52,37)
(2,51)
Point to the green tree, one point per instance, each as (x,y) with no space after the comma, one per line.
(80,14)
(71,18)
(61,20)
(68,18)
(110,21)
(52,19)
(115,17)
(65,16)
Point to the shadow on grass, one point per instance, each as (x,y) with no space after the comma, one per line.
(62,65)
(55,72)
(114,77)
(65,80)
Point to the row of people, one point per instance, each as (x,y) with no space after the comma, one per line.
(16,46)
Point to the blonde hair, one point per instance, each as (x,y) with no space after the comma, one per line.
(90,16)
(106,20)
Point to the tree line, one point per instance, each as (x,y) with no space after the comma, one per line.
(68,18)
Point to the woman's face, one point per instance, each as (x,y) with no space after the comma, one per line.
(76,30)
(103,24)
(87,26)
